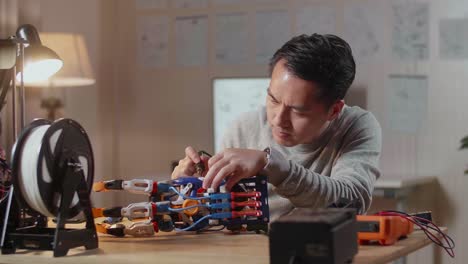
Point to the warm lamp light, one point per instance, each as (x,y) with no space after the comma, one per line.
(40,71)
(40,62)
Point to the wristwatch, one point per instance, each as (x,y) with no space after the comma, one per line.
(267,150)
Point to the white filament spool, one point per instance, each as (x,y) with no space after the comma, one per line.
(28,177)
(37,181)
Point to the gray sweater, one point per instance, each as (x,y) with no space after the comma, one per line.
(341,164)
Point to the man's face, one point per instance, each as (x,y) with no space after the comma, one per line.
(293,111)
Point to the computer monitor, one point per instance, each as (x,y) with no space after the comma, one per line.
(233,96)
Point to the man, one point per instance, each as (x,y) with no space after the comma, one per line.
(314,150)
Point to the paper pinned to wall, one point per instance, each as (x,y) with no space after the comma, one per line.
(149,4)
(153,41)
(316,19)
(410,37)
(191,40)
(189,3)
(232,40)
(453,36)
(407,102)
(272,31)
(363,28)
(234,96)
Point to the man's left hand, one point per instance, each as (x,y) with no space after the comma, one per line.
(234,165)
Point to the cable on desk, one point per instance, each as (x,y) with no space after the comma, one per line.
(426,225)
(194,224)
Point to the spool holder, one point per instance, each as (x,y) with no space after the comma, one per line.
(25,227)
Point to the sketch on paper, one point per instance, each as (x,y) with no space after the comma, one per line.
(362,23)
(316,19)
(153,41)
(232,40)
(189,3)
(191,40)
(407,105)
(272,31)
(234,96)
(149,4)
(453,36)
(410,37)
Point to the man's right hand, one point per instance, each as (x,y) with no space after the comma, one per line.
(186,166)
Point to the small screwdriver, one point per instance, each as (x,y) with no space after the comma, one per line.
(200,166)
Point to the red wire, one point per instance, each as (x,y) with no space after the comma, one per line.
(436,240)
(423,227)
(414,222)
(444,236)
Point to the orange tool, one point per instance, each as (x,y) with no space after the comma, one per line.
(384,229)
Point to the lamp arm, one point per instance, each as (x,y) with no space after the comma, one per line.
(5,84)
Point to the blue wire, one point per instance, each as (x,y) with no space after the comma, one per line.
(187,197)
(185,208)
(194,224)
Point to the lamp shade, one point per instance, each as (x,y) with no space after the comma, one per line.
(76,70)
(40,62)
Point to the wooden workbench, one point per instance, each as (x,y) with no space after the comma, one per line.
(216,247)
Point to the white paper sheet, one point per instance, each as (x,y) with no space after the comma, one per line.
(272,31)
(410,37)
(191,40)
(316,19)
(233,96)
(149,4)
(153,41)
(453,35)
(407,102)
(363,28)
(189,3)
(232,40)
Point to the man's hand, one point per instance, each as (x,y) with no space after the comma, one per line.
(233,165)
(186,165)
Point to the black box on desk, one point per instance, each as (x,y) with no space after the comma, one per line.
(324,236)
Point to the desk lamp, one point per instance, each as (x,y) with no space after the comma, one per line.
(23,58)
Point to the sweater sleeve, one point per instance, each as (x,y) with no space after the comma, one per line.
(352,177)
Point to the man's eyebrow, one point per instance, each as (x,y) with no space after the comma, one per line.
(270,94)
(300,108)
(297,108)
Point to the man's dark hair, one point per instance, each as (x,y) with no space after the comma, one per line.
(326,60)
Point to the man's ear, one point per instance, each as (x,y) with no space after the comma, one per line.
(335,110)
